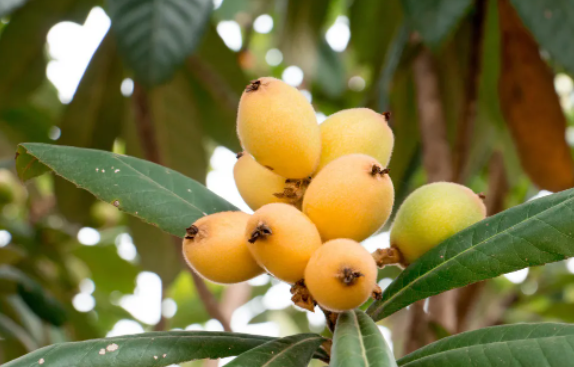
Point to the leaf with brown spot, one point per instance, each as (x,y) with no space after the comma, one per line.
(531,107)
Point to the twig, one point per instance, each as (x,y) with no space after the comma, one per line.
(210,303)
(469,111)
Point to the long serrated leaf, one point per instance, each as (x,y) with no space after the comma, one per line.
(157,35)
(525,345)
(552,24)
(295,350)
(534,233)
(155,194)
(435,20)
(359,342)
(153,349)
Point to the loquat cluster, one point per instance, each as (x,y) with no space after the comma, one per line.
(317,191)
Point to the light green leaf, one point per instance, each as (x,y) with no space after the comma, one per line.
(552,24)
(524,345)
(358,342)
(531,234)
(143,350)
(435,20)
(155,194)
(295,350)
(92,120)
(157,35)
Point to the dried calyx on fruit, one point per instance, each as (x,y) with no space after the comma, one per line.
(214,247)
(430,215)
(282,239)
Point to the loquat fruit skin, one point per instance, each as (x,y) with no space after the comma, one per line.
(356,130)
(278,127)
(257,184)
(293,238)
(431,214)
(346,200)
(218,251)
(326,271)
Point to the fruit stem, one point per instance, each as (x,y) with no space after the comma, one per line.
(331,318)
(262,230)
(190,232)
(377,293)
(387,256)
(302,297)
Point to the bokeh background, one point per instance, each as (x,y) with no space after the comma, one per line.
(480,93)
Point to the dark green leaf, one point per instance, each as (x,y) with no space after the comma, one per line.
(534,233)
(552,24)
(525,345)
(26,123)
(34,295)
(359,342)
(295,350)
(143,350)
(155,194)
(92,120)
(435,20)
(392,59)
(156,36)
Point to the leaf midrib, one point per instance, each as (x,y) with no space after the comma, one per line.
(363,350)
(286,349)
(403,289)
(483,345)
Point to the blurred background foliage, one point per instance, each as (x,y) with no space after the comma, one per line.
(480,93)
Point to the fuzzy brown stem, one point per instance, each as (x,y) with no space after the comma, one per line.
(302,297)
(331,318)
(377,293)
(387,256)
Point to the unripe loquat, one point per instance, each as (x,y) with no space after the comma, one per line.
(431,214)
(259,186)
(341,275)
(352,197)
(282,239)
(215,248)
(356,130)
(278,127)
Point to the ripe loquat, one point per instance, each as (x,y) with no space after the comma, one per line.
(352,197)
(215,248)
(341,275)
(277,125)
(282,239)
(356,130)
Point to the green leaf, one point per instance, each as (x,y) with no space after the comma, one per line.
(10,255)
(359,342)
(525,345)
(392,59)
(92,120)
(153,349)
(107,269)
(155,194)
(11,330)
(8,6)
(295,350)
(28,166)
(552,24)
(34,295)
(435,20)
(531,234)
(26,123)
(157,35)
